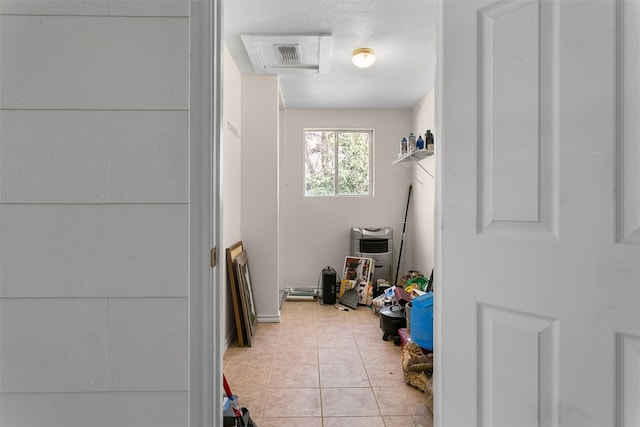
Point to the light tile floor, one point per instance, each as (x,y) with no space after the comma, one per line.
(323,367)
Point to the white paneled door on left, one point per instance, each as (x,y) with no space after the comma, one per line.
(539,276)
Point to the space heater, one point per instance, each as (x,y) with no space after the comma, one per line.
(328,280)
(376,243)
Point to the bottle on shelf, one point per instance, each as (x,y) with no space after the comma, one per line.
(420,143)
(412,142)
(403,146)
(428,137)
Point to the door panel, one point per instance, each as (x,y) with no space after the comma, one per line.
(515,163)
(537,295)
(628,63)
(628,381)
(522,346)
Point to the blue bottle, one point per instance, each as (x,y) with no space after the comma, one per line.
(420,143)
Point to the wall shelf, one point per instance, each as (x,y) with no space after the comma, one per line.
(415,156)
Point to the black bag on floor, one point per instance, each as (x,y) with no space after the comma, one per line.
(241,416)
(245,420)
(237,416)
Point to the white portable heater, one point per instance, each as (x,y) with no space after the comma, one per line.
(376,243)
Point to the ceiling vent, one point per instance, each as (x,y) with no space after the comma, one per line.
(288,54)
(298,53)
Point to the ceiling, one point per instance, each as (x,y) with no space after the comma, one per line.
(402,33)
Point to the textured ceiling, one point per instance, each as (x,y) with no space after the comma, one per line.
(402,32)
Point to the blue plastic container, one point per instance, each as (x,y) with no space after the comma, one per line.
(422,321)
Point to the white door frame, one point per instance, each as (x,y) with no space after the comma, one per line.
(437,303)
(205,301)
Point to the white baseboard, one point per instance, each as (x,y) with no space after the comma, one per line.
(269,318)
(229,338)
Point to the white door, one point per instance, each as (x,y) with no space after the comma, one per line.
(538,276)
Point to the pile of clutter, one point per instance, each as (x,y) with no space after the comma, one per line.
(413,284)
(406,314)
(414,280)
(417,369)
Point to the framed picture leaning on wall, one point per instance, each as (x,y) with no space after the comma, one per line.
(246,292)
(243,334)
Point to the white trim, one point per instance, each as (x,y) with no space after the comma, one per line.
(269,318)
(438,374)
(229,339)
(205,302)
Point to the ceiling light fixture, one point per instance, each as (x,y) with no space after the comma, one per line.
(363,57)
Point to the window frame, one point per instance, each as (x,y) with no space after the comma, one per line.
(338,130)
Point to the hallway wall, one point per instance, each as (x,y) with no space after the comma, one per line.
(231,177)
(259,190)
(421,218)
(94,213)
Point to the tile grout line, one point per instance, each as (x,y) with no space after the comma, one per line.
(271,367)
(375,397)
(319,372)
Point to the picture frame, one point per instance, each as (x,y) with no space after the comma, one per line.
(243,335)
(357,273)
(246,292)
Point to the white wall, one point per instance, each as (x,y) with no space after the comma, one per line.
(316,230)
(231,176)
(420,222)
(259,195)
(94,213)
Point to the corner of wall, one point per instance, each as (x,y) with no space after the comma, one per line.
(421,252)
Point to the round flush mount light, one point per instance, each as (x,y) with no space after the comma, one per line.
(363,57)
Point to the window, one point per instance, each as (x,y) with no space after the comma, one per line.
(337,162)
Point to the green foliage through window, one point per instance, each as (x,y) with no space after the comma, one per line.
(337,162)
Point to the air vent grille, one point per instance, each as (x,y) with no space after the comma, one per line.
(374,245)
(288,54)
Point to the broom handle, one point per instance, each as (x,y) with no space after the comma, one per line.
(404,227)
